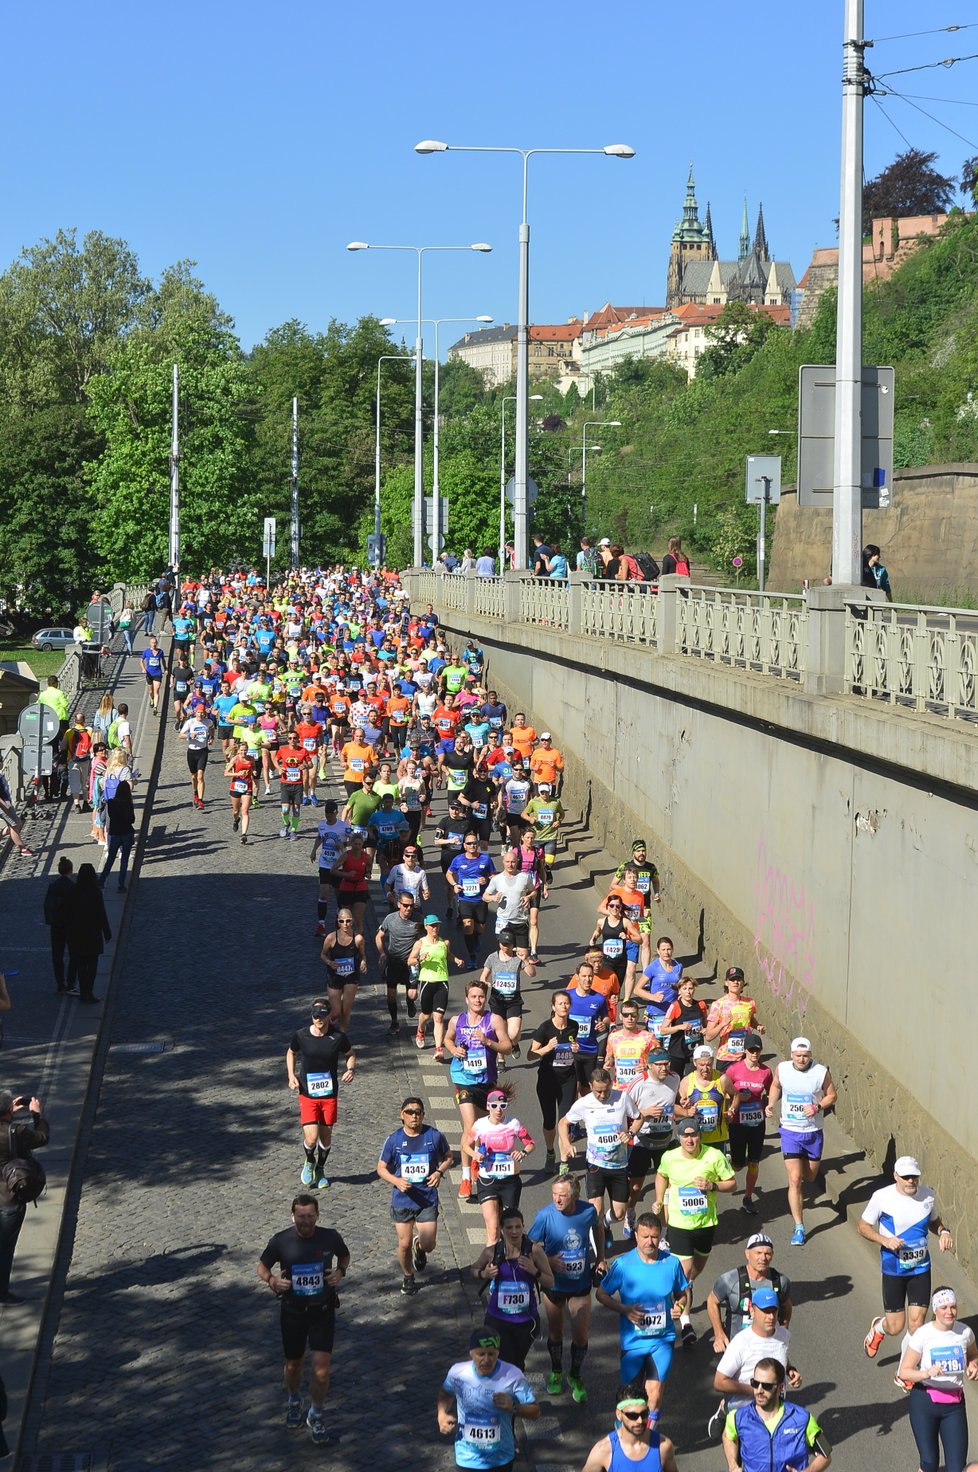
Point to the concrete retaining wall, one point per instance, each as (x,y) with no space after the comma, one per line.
(810,839)
(928,537)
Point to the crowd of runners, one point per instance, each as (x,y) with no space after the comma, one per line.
(433,868)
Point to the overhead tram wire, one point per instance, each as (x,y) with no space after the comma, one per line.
(911,35)
(927,66)
(892,92)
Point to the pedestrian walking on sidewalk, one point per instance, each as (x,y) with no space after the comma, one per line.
(17,1139)
(88,930)
(57,905)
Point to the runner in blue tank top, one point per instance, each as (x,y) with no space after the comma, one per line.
(632,1446)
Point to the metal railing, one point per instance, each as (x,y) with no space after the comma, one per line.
(764,632)
(623,611)
(923,659)
(544,602)
(452,591)
(489,598)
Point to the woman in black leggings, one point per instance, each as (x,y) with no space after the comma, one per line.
(939,1357)
(555,1044)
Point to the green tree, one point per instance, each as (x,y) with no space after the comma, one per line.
(734,338)
(910,185)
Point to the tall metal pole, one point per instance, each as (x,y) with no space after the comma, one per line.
(377,460)
(521,467)
(435,506)
(762,532)
(847,517)
(294,532)
(175,473)
(419,435)
(502,487)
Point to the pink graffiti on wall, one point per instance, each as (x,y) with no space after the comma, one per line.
(784,933)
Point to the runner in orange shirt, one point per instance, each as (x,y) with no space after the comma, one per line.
(522,736)
(547,763)
(358,757)
(309,734)
(339,717)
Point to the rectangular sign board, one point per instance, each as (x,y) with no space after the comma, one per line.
(816,435)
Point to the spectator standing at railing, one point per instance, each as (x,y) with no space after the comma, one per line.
(541,554)
(675,561)
(604,557)
(557,565)
(587,558)
(875,574)
(486,564)
(468,561)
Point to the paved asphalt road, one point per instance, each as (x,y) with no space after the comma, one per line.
(166,1351)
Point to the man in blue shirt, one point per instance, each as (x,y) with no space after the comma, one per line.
(467,876)
(478,1403)
(414,1159)
(652,1292)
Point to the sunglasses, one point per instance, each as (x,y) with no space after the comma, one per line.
(633,1415)
(497,1104)
(613,905)
(412,1111)
(764,1385)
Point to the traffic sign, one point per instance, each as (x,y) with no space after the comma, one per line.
(38,719)
(531,490)
(761,468)
(816,436)
(100,617)
(268,538)
(737,562)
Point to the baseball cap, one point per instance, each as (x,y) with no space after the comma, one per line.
(545,736)
(907,1166)
(507,936)
(690,1126)
(703,1051)
(800,1043)
(495,1095)
(544,787)
(605,542)
(432,920)
(659,1056)
(759,1239)
(764,1297)
(482,1339)
(752,1040)
(734,973)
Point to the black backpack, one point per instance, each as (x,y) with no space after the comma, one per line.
(23,1175)
(648,566)
(743,1291)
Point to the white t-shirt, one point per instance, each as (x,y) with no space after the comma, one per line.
(800,1087)
(907,1217)
(945,1347)
(512,889)
(739,1359)
(402,878)
(604,1122)
(647,1093)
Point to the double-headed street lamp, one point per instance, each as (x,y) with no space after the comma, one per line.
(434,322)
(420,251)
(509,399)
(588,424)
(613,150)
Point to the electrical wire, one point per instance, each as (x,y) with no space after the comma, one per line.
(947,128)
(893,125)
(951,101)
(910,35)
(927,66)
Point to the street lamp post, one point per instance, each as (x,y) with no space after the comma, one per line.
(434,322)
(588,424)
(509,399)
(384,358)
(420,251)
(613,150)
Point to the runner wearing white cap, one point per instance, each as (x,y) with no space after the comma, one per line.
(804,1090)
(898,1218)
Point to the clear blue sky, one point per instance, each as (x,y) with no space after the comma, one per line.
(258,140)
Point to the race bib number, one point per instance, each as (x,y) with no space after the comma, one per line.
(319,1085)
(480,809)
(505,983)
(514,1298)
(750,1115)
(735,1044)
(356,764)
(414,1168)
(456,779)
(496,722)
(563,1056)
(654,1318)
(643,882)
(481,1430)
(796,1107)
(293,774)
(912,1257)
(709,1115)
(309,743)
(613,947)
(607,1145)
(344,966)
(308,1279)
(476,1059)
(948,1358)
(583,1026)
(626,1070)
(500,1166)
(471,888)
(240,784)
(573,1264)
(661,1125)
(691,1201)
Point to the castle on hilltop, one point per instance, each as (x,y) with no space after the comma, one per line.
(697,275)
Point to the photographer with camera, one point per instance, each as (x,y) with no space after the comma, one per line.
(21,1176)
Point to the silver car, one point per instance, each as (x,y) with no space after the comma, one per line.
(56,638)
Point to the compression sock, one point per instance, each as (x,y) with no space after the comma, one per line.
(295,822)
(322,909)
(555,1349)
(323,1154)
(311,1154)
(683,1320)
(578,1353)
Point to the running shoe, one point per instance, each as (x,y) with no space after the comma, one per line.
(664,1244)
(439,1055)
(25,852)
(627,1229)
(551,1160)
(747,1206)
(578,1390)
(555,1383)
(308,1176)
(318,1429)
(305,802)
(320,929)
(517,1051)
(408,1286)
(563,1170)
(314,801)
(418,1256)
(293,1412)
(393,1029)
(688,1335)
(244,838)
(322,1181)
(717,1419)
(419,1039)
(874,1338)
(798,1236)
(905,1385)
(283,832)
(534,958)
(465,1189)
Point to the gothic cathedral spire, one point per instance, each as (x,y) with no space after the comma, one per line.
(744,246)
